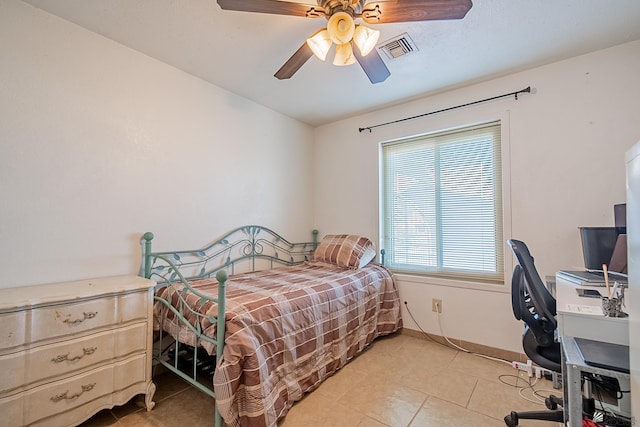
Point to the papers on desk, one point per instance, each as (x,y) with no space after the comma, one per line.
(585,309)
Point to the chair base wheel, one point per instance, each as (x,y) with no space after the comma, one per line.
(511,420)
(550,403)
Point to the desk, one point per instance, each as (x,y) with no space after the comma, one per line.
(580,315)
(573,366)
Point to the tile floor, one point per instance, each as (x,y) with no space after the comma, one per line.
(400,381)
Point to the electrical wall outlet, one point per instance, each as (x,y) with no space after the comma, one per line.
(436,305)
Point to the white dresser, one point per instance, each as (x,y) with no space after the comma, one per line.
(68,350)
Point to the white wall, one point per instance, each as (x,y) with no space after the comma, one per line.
(566,144)
(633,303)
(99,143)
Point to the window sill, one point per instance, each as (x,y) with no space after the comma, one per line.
(452,283)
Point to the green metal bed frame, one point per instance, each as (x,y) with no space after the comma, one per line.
(247,248)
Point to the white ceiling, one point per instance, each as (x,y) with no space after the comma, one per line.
(240,51)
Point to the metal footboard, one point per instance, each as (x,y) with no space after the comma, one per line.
(247,248)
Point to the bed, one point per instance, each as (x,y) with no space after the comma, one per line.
(291,315)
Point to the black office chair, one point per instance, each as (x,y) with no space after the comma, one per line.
(536,307)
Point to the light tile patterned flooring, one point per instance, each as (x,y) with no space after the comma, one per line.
(400,381)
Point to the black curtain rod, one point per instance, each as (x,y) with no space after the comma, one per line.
(526,90)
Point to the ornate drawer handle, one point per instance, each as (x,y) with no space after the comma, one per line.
(86,314)
(63,357)
(66,396)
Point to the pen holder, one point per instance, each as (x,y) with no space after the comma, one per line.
(612,307)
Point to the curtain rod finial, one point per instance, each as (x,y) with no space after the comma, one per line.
(525,90)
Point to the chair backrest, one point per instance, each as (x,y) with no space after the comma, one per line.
(532,302)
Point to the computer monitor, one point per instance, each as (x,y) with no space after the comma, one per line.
(620,217)
(598,244)
(606,245)
(619,257)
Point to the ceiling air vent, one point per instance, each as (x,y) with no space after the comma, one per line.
(398,46)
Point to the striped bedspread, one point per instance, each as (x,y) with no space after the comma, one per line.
(288,329)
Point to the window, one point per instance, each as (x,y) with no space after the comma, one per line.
(442,204)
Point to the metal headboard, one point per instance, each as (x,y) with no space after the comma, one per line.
(247,248)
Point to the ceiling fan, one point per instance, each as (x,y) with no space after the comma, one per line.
(353,42)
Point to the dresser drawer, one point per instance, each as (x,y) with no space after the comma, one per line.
(65,395)
(73,318)
(14,328)
(20,369)
(134,306)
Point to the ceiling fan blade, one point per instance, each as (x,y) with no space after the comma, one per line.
(273,6)
(381,12)
(373,65)
(294,63)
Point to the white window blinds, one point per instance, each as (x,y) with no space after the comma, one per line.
(442,204)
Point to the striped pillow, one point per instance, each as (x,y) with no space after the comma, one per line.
(345,250)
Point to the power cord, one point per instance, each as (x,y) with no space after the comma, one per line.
(406,304)
(601,385)
(538,398)
(457,347)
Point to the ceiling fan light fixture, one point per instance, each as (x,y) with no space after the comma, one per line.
(365,38)
(320,43)
(344,55)
(341,28)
